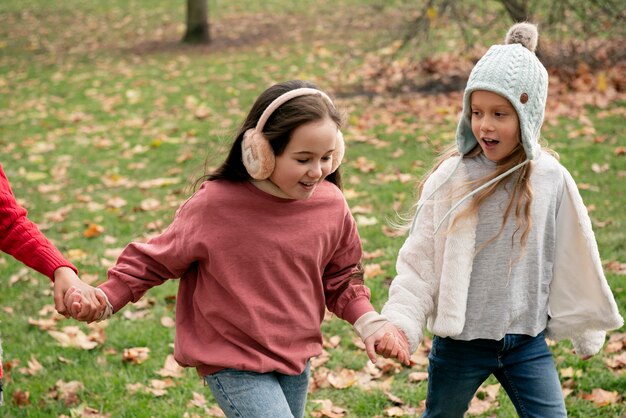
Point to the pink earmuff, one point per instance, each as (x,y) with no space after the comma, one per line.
(256,152)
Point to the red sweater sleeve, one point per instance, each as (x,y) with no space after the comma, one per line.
(22,239)
(346,293)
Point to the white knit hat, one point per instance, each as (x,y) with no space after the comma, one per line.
(514,72)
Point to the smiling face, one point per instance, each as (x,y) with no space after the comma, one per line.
(495,124)
(305,161)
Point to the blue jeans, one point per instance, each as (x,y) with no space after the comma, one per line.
(522,364)
(256,395)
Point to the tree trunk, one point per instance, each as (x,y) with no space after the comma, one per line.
(197,22)
(517,10)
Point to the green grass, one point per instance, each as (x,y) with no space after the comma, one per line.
(95,99)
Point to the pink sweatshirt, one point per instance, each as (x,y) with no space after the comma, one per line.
(22,239)
(256,272)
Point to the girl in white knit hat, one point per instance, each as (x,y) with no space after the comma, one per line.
(501,252)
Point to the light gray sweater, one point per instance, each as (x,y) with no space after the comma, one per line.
(508,290)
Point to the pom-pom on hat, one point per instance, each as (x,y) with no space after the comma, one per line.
(514,72)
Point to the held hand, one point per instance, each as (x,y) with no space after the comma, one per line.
(388,341)
(88,308)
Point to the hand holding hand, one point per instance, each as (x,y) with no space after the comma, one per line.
(388,341)
(92,303)
(78,304)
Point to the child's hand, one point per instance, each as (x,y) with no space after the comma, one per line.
(93,303)
(388,341)
(80,306)
(86,303)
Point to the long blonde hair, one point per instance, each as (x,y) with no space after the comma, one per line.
(520,197)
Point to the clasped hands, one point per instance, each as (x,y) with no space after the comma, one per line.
(75,298)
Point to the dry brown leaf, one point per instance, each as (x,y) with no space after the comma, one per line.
(344,379)
(116,202)
(73,336)
(597,168)
(136,355)
(198,400)
(160,182)
(365,221)
(601,397)
(327,410)
(66,392)
(159,387)
(415,377)
(372,270)
(394,411)
(616,267)
(33,368)
(168,322)
(489,395)
(479,406)
(320,360)
(373,254)
(93,230)
(150,204)
(133,388)
(393,398)
(332,342)
(84,411)
(43,324)
(21,398)
(617,362)
(171,368)
(364,165)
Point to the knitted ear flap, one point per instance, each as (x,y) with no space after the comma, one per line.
(257,155)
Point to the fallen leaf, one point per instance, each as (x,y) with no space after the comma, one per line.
(601,397)
(418,377)
(171,368)
(372,270)
(33,368)
(136,355)
(73,336)
(93,230)
(327,410)
(198,401)
(21,398)
(168,322)
(344,379)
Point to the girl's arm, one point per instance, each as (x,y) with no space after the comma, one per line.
(22,239)
(345,292)
(411,294)
(581,304)
(142,266)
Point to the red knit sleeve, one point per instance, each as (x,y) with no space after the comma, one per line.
(22,239)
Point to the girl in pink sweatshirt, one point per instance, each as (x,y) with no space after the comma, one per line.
(261,249)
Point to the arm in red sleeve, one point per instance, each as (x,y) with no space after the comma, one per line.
(346,294)
(21,238)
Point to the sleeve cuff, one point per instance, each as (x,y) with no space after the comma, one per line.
(368,324)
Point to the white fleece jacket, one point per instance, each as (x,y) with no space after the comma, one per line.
(433,270)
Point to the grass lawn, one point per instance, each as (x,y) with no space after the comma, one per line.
(106,122)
